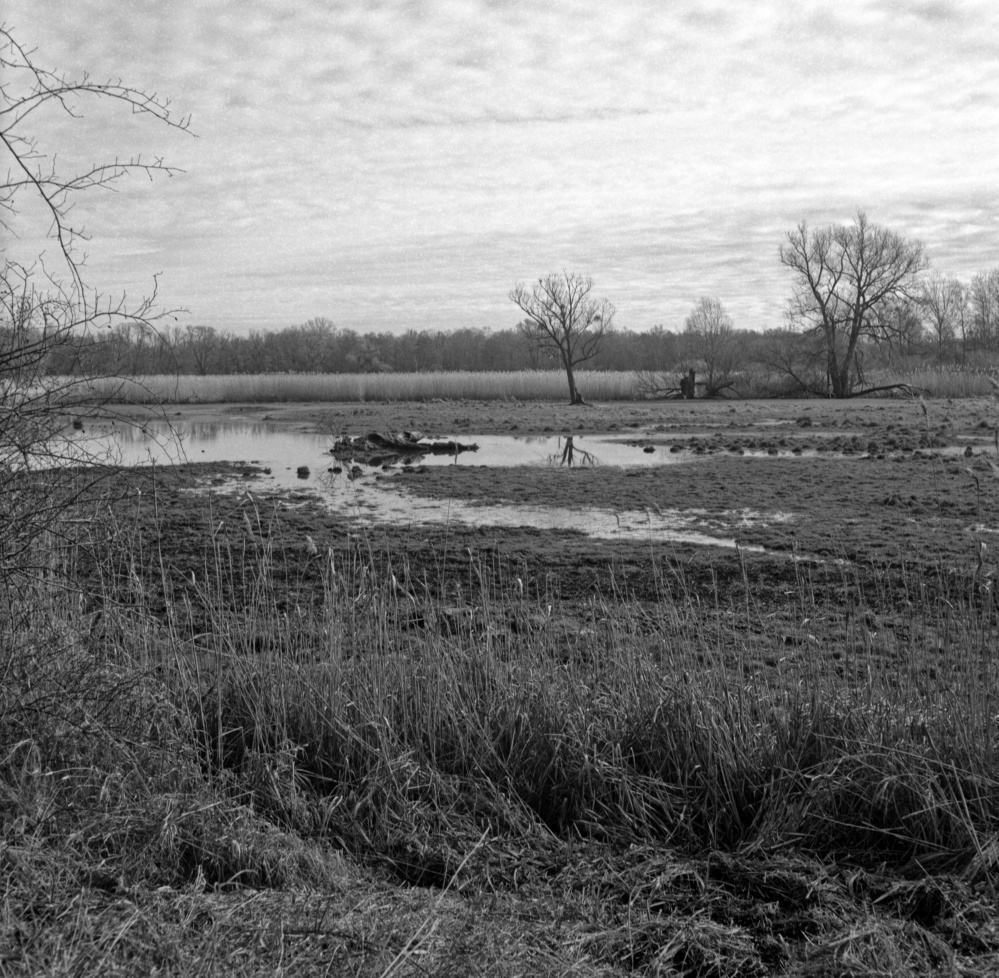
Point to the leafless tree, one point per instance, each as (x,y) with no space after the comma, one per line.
(901,333)
(984,300)
(203,344)
(847,278)
(44,306)
(564,321)
(943,301)
(709,338)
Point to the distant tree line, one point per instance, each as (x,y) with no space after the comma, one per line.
(862,299)
(318,346)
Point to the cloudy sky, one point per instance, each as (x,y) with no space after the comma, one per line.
(395,165)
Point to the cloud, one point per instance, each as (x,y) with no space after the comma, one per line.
(390,162)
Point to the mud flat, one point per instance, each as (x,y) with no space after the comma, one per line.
(867,500)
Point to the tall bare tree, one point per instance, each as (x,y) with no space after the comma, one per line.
(848,278)
(564,320)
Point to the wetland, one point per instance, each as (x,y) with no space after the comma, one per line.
(717,698)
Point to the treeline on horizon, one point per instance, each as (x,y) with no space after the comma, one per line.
(969,334)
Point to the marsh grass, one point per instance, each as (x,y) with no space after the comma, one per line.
(524,385)
(755,381)
(944,381)
(473,743)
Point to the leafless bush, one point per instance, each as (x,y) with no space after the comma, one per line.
(45,306)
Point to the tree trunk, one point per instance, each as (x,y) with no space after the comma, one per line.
(574,396)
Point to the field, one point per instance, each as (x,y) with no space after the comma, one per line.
(243,735)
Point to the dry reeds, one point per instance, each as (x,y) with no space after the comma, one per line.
(470,743)
(523,385)
(753,382)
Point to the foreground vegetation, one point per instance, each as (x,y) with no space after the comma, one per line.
(524,385)
(437,794)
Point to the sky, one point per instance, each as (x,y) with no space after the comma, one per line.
(403,165)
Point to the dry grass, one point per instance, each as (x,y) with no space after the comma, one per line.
(524,385)
(443,796)
(944,381)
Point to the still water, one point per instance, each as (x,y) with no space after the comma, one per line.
(370,495)
(284,450)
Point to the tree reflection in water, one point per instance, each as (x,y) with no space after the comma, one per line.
(574,456)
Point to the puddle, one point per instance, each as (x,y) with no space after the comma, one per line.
(374,503)
(697,526)
(302,461)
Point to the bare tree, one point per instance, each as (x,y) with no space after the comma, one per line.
(901,331)
(709,338)
(45,306)
(943,300)
(203,344)
(984,298)
(564,321)
(846,281)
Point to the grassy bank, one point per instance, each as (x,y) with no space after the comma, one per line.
(540,385)
(449,779)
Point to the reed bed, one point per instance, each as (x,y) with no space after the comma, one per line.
(526,385)
(206,743)
(944,381)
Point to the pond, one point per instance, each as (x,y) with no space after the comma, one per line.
(363,485)
(285,451)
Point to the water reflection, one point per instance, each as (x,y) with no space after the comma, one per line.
(571,455)
(281,449)
(296,460)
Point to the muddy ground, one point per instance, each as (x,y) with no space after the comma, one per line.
(883,513)
(870,482)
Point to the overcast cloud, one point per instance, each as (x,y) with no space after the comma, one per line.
(397,165)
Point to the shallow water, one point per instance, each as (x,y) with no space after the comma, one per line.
(380,504)
(285,451)
(370,496)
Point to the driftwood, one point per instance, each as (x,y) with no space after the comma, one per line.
(406,447)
